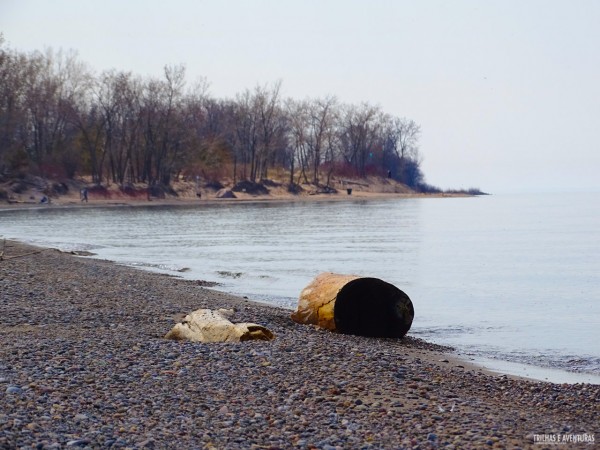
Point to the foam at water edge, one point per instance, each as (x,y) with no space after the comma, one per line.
(534,372)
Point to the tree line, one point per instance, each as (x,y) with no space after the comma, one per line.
(60,119)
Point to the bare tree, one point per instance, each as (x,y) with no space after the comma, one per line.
(13,68)
(88,119)
(268,110)
(163,130)
(111,95)
(359,130)
(298,119)
(51,83)
(320,132)
(402,139)
(246,133)
(74,80)
(120,128)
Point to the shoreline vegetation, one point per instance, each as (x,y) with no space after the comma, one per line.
(68,129)
(84,363)
(31,191)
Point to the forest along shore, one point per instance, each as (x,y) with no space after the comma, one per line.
(83,362)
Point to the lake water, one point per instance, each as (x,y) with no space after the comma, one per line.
(508,280)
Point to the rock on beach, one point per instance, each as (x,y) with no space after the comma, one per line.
(83,364)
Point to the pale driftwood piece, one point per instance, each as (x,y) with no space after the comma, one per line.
(206,325)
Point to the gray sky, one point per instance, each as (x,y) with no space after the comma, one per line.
(507,92)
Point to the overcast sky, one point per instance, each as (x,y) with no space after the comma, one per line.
(507,92)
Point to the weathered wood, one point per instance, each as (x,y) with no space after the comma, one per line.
(317,300)
(206,325)
(355,305)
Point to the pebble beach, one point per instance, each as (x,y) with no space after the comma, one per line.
(84,364)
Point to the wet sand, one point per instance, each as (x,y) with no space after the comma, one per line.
(83,363)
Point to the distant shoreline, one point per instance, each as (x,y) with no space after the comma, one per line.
(71,202)
(38,192)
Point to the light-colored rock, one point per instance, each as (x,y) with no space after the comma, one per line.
(225,193)
(206,325)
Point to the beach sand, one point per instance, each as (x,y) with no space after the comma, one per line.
(83,364)
(370,188)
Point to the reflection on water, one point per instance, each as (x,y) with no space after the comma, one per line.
(516,277)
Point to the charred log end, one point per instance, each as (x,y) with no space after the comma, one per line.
(372,307)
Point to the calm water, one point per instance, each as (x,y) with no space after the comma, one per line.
(513,278)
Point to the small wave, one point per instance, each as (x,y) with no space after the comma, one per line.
(458,337)
(161,267)
(442,331)
(578,364)
(581,364)
(228,274)
(266,277)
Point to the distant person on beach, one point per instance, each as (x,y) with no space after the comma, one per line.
(84,195)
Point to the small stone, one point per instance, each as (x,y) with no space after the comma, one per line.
(14,390)
(78,443)
(432,437)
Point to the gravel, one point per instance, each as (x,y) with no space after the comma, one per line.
(83,364)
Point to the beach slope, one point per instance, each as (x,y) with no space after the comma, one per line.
(83,363)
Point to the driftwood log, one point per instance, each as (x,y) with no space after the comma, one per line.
(206,325)
(355,305)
